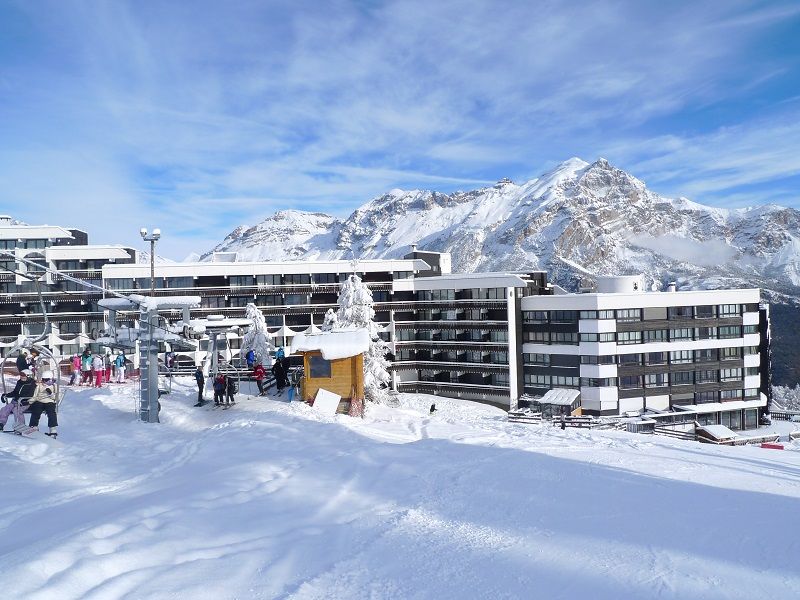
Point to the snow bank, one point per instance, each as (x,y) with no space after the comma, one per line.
(272,500)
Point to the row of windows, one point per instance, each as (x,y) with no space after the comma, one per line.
(685,378)
(641,337)
(551,381)
(638,314)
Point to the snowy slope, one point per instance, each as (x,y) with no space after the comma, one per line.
(270,500)
(594,215)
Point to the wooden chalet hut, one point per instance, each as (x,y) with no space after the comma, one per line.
(333,361)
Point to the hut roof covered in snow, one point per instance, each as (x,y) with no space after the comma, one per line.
(341,343)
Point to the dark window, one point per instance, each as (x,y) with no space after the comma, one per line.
(296,279)
(656,335)
(630,382)
(264,280)
(563,316)
(680,357)
(681,377)
(705,312)
(679,312)
(534,316)
(326,278)
(656,358)
(707,355)
(730,353)
(630,359)
(705,397)
(319,366)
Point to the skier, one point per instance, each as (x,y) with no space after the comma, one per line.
(201,383)
(107,366)
(86,367)
(25,388)
(44,400)
(219,389)
(22,361)
(230,390)
(280,376)
(119,363)
(76,369)
(99,369)
(251,359)
(259,373)
(285,366)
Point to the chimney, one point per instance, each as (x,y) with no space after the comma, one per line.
(413,247)
(672,286)
(5,220)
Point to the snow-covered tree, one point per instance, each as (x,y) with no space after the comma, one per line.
(257,338)
(356,310)
(331,321)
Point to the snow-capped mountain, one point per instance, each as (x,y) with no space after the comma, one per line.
(593,216)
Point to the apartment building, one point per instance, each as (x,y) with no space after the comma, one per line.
(72,309)
(627,349)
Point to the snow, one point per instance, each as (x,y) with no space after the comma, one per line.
(560,396)
(719,432)
(273,500)
(333,344)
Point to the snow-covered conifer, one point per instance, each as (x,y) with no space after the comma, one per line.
(257,338)
(356,310)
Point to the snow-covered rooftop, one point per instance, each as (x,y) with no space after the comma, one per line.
(333,345)
(719,432)
(559,396)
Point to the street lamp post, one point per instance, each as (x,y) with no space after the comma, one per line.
(152,239)
(148,354)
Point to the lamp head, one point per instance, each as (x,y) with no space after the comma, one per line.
(143,232)
(156,233)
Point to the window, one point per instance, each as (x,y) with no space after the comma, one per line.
(265,280)
(751,371)
(729,395)
(729,310)
(656,380)
(729,353)
(403,274)
(71,327)
(656,335)
(730,374)
(605,314)
(597,360)
(597,337)
(380,296)
(628,315)
(730,331)
(560,380)
(319,367)
(496,293)
(655,358)
(326,278)
(563,316)
(751,418)
(680,312)
(120,284)
(630,382)
(751,393)
(68,265)
(748,329)
(681,377)
(705,333)
(705,312)
(630,359)
(598,382)
(534,316)
(212,302)
(706,376)
(239,301)
(498,336)
(707,355)
(180,282)
(297,279)
(679,357)
(537,380)
(706,397)
(629,337)
(236,281)
(750,350)
(500,379)
(296,299)
(559,337)
(536,359)
(269,300)
(443,295)
(684,333)
(588,314)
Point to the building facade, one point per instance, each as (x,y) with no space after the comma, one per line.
(72,309)
(628,350)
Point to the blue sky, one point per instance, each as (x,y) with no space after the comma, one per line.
(199,116)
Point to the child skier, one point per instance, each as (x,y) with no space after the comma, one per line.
(201,383)
(259,373)
(17,401)
(44,400)
(219,389)
(230,390)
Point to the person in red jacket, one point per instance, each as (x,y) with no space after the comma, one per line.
(259,373)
